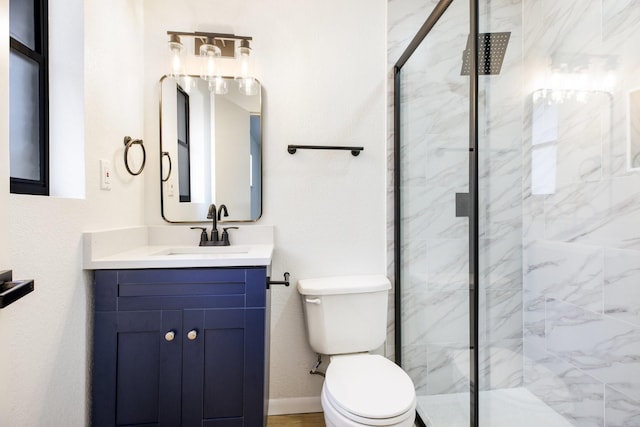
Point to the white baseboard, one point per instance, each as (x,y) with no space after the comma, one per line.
(294,405)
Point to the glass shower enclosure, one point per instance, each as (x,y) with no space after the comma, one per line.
(517,203)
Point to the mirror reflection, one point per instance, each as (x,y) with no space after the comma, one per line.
(211,150)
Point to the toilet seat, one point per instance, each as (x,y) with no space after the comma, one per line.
(369,389)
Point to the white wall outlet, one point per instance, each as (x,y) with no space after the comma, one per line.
(105,174)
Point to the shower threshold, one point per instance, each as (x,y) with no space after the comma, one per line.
(498,408)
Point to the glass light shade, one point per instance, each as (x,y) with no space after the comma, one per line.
(244,58)
(187,83)
(175,57)
(218,86)
(248,85)
(209,52)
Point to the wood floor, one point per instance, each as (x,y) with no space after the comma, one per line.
(306,420)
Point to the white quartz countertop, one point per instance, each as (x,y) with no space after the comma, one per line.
(174,247)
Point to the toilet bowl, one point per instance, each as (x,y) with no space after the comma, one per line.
(346,318)
(367,390)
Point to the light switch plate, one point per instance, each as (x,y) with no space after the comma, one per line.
(105,174)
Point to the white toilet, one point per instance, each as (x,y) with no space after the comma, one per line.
(346,317)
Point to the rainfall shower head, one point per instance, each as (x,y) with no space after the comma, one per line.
(491,50)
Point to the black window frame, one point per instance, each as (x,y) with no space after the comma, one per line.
(39,55)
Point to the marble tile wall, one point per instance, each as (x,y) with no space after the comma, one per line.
(560,241)
(581,258)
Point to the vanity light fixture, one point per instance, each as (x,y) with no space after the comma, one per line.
(210,50)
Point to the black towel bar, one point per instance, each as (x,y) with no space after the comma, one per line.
(12,290)
(354,150)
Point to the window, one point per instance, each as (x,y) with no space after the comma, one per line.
(28,97)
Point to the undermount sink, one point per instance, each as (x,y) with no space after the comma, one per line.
(204,250)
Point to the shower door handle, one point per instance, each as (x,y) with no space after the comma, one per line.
(463,205)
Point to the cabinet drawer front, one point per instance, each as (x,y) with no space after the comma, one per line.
(171,289)
(180,302)
(181,289)
(183,275)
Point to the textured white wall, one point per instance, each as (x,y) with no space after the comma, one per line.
(45,336)
(4,140)
(322,64)
(5,404)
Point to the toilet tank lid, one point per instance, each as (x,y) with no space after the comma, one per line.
(354,284)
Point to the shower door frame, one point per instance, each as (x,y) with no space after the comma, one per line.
(473,213)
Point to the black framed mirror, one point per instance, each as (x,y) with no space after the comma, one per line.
(210,149)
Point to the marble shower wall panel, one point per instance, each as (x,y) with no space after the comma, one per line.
(573,27)
(568,272)
(581,239)
(567,390)
(414,272)
(620,410)
(501,317)
(501,263)
(415,365)
(404,19)
(621,285)
(501,365)
(448,264)
(500,200)
(447,369)
(601,213)
(600,346)
(500,115)
(584,131)
(501,345)
(533,319)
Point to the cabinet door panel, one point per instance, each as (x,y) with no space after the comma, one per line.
(255,366)
(103,390)
(148,367)
(137,380)
(224,373)
(213,367)
(224,363)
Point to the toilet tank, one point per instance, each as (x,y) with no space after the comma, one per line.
(345,314)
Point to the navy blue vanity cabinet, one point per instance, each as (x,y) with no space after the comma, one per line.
(180,347)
